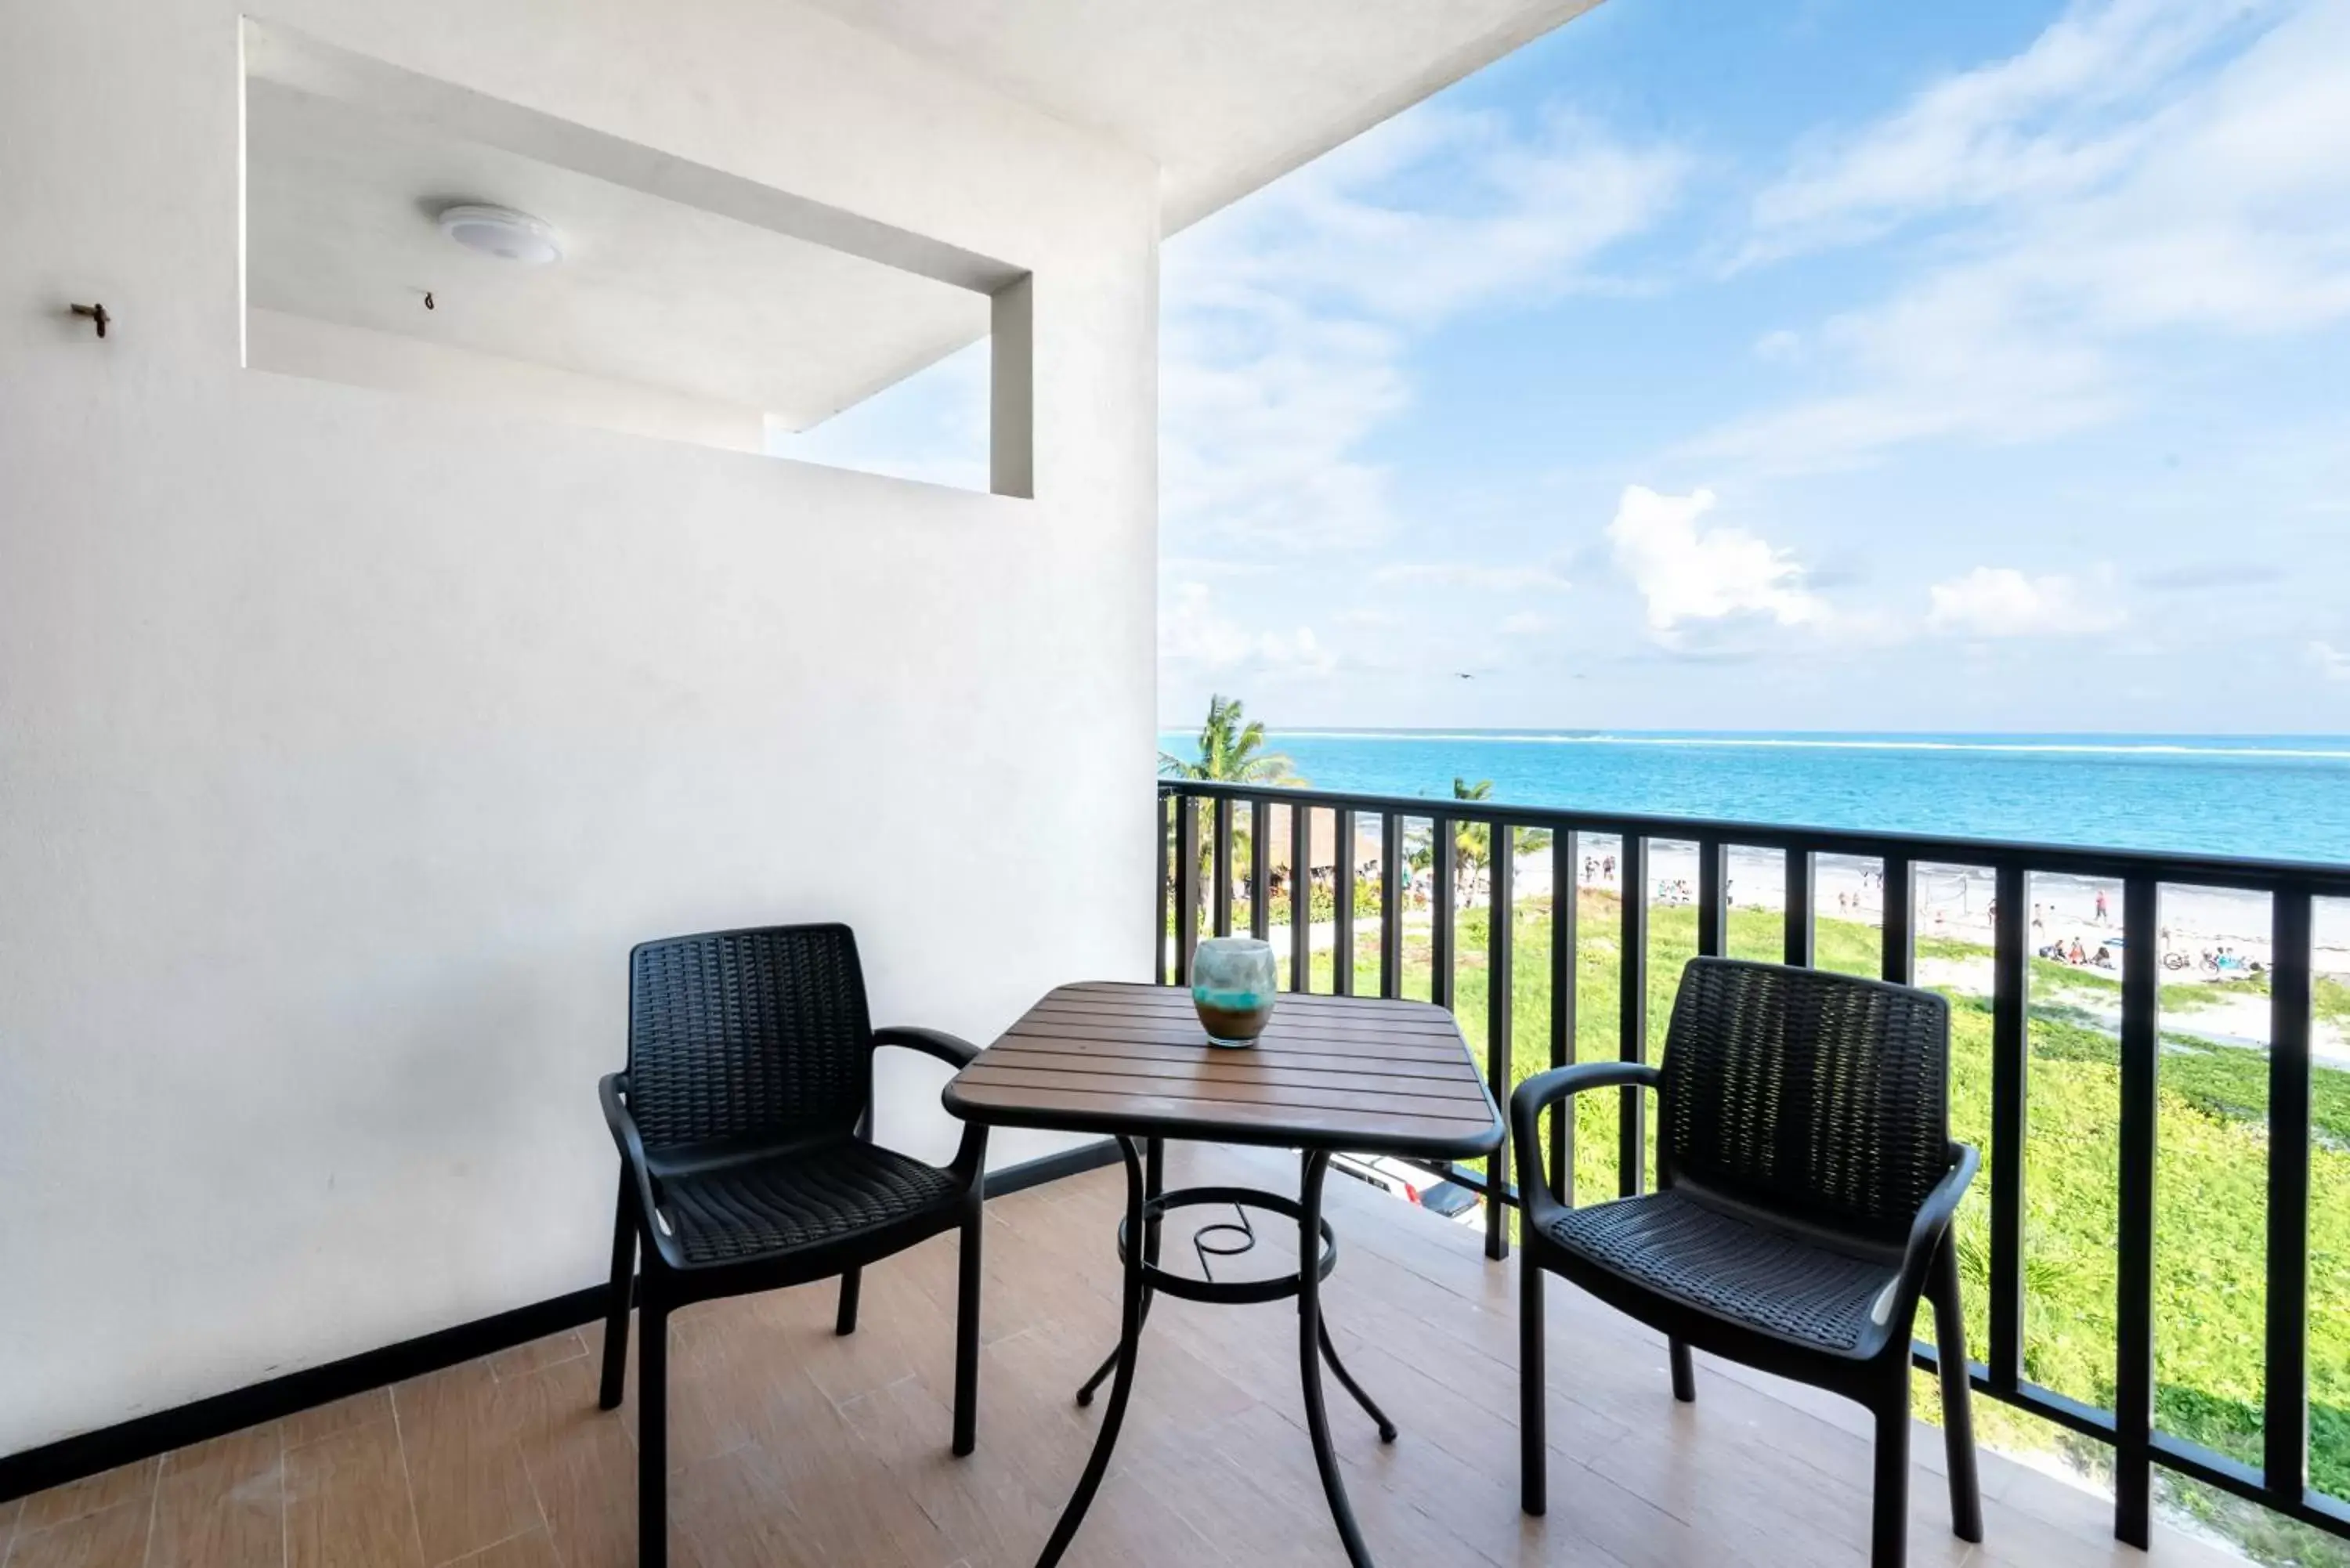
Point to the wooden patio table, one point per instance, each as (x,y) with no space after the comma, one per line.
(1364,1074)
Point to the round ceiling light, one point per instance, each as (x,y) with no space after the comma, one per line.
(503,233)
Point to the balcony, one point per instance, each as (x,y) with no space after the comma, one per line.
(2152,1313)
(794,1447)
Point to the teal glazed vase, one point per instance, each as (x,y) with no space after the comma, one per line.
(1233,984)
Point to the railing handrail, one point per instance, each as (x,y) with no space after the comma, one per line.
(2281,1481)
(2327,878)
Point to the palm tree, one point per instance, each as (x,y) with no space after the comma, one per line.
(1231,751)
(1473,841)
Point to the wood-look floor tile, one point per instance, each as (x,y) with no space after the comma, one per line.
(133,1482)
(347,1503)
(981,1501)
(730,1511)
(222,1504)
(113,1537)
(582,1466)
(531,1548)
(539,1354)
(339,1417)
(793,1447)
(8,1513)
(847,1502)
(465,1467)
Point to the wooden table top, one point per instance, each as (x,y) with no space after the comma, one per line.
(1352,1073)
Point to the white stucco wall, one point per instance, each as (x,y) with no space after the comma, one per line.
(349,739)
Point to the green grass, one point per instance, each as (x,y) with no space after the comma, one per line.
(2212,1187)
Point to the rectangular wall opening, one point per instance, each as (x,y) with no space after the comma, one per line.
(406,234)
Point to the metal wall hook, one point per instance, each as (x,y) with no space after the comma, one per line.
(95,312)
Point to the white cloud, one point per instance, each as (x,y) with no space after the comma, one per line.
(1685,575)
(2040,123)
(1525,623)
(2329,660)
(2125,176)
(1191,631)
(1295,308)
(1469,575)
(2002,602)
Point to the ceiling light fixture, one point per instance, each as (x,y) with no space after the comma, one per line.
(501,232)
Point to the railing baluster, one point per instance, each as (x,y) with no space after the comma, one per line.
(1260,869)
(1799,907)
(1632,1012)
(2285,1419)
(1159,936)
(2133,1243)
(1566,863)
(2010,1076)
(1898,880)
(1713,898)
(1187,885)
(1391,906)
(1439,979)
(1224,895)
(1300,898)
(1342,888)
(1499,1034)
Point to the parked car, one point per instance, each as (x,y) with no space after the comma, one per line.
(1411,1183)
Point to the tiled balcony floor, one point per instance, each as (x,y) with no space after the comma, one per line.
(795,1447)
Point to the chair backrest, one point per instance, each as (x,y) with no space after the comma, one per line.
(1821,1096)
(734,1034)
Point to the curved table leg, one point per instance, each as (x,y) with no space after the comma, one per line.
(1311,1343)
(1370,1406)
(1154,1183)
(1130,1339)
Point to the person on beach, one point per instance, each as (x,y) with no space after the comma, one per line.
(2101,908)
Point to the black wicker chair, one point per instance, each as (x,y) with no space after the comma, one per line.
(743,1122)
(1804,1187)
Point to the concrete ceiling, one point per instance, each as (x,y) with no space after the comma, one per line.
(1225,95)
(345,172)
(342,208)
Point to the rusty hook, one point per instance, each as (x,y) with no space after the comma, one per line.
(95,312)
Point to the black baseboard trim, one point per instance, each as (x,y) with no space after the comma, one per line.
(1031,1173)
(144,1436)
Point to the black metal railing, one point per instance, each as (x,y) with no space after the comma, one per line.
(2280,1481)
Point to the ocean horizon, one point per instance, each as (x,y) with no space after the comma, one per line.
(2265,797)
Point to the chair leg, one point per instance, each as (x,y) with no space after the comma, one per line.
(1684,1371)
(652,1430)
(1534,1452)
(1889,1522)
(615,1308)
(966,1404)
(846,1324)
(1957,1413)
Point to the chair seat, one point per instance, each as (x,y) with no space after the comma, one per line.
(769,1205)
(1753,1275)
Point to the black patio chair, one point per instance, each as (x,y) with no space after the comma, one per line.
(1806,1182)
(744,1123)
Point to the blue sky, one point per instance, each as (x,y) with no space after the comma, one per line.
(1834,365)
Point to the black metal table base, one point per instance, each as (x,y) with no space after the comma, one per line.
(1146,1205)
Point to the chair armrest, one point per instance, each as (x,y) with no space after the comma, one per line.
(613,1090)
(1538,1093)
(1933,1221)
(956,1053)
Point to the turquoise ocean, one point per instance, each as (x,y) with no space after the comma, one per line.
(2266,796)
